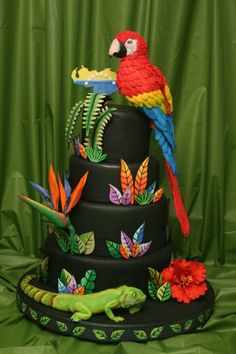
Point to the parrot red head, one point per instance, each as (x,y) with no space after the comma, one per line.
(128,43)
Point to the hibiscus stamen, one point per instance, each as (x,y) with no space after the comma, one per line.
(185,280)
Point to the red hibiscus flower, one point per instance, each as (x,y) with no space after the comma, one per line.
(186,278)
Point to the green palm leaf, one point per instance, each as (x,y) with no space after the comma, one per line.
(92,106)
(72,121)
(103,119)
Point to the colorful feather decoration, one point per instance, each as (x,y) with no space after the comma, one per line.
(126,179)
(129,248)
(141,177)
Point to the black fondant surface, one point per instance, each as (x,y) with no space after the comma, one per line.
(111,272)
(156,320)
(108,220)
(127,135)
(103,174)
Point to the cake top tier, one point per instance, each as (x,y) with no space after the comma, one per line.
(127,135)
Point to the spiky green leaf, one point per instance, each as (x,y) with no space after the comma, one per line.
(77,331)
(95,154)
(72,121)
(62,326)
(103,119)
(92,106)
(144,198)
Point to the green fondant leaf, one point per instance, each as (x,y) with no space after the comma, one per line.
(80,245)
(88,281)
(103,119)
(89,242)
(33,314)
(140,334)
(44,269)
(117,334)
(62,326)
(155,333)
(77,331)
(92,106)
(164,292)
(188,325)
(95,154)
(152,289)
(62,238)
(99,334)
(144,198)
(23,307)
(44,320)
(72,121)
(73,241)
(201,318)
(176,328)
(114,249)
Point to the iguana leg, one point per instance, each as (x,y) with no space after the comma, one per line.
(82,312)
(134,309)
(110,314)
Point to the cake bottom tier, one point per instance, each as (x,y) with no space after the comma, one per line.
(110,272)
(156,320)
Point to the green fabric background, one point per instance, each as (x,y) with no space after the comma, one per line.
(194,43)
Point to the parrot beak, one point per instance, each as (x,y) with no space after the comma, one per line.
(117,49)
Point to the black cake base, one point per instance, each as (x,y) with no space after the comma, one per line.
(156,320)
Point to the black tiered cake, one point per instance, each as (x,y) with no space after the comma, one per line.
(126,138)
(129,130)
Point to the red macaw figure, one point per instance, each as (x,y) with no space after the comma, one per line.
(145,86)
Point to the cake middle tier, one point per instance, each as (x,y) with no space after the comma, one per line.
(108,220)
(110,272)
(103,174)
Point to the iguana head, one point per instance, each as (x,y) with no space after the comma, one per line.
(132,297)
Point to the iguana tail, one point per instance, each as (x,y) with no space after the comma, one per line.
(42,296)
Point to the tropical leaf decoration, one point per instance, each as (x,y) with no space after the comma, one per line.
(126,179)
(141,177)
(144,198)
(114,249)
(100,334)
(134,190)
(88,281)
(164,292)
(140,334)
(103,120)
(92,106)
(129,247)
(157,195)
(155,333)
(72,121)
(68,285)
(77,331)
(156,288)
(117,334)
(60,201)
(89,241)
(95,154)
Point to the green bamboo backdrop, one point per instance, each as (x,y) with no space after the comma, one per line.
(191,41)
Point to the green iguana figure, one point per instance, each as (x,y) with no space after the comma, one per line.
(84,306)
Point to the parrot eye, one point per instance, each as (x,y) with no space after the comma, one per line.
(129,41)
